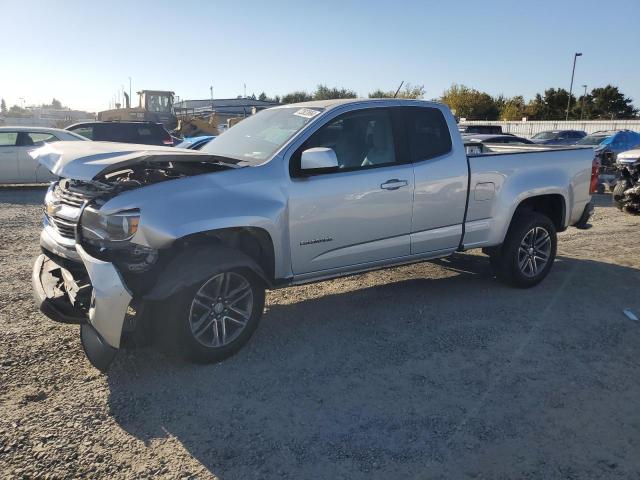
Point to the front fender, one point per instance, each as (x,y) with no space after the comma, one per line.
(175,209)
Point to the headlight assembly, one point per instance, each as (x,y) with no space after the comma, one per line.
(116,227)
(109,234)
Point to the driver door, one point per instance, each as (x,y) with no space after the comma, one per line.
(360,213)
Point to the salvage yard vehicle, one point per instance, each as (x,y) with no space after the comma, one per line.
(558,137)
(184,243)
(609,143)
(195,143)
(626,194)
(146,133)
(486,138)
(16,165)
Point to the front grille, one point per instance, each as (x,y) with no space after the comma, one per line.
(64,220)
(65,228)
(68,197)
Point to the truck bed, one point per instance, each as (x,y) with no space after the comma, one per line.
(501,176)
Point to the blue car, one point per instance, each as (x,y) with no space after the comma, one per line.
(558,137)
(195,143)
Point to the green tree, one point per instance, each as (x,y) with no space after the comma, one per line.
(610,102)
(470,103)
(3,106)
(556,103)
(56,104)
(583,108)
(551,106)
(511,108)
(325,93)
(408,91)
(535,109)
(17,111)
(265,98)
(297,96)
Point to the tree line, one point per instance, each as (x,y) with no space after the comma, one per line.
(17,111)
(606,103)
(600,103)
(322,92)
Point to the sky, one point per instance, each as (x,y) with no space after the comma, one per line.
(83,52)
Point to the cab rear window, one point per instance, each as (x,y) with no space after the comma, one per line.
(427,133)
(8,139)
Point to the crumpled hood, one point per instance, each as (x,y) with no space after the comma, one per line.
(86,160)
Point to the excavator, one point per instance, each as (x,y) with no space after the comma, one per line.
(153,106)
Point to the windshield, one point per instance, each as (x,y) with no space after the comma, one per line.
(259,136)
(592,140)
(545,136)
(158,103)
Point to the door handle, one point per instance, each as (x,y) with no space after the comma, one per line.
(394,184)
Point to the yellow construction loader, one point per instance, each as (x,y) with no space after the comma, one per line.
(192,126)
(153,106)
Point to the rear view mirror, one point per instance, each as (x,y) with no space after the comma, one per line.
(318,159)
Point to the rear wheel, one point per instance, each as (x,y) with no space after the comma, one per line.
(528,252)
(214,319)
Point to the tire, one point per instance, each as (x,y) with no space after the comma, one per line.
(515,263)
(618,192)
(205,329)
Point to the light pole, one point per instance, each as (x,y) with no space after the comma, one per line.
(575,56)
(583,97)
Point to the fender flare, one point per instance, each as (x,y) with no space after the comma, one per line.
(196,264)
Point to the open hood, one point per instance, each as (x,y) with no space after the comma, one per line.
(87,160)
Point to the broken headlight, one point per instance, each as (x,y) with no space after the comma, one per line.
(116,227)
(108,234)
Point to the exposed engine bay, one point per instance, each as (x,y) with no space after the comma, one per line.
(147,172)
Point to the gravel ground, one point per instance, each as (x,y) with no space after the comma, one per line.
(426,371)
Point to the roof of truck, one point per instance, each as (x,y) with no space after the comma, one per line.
(342,101)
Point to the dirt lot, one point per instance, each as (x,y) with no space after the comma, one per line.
(426,371)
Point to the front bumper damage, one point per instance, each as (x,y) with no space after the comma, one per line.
(91,293)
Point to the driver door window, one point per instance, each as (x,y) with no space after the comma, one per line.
(359,139)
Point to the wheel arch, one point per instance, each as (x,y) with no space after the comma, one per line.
(196,256)
(552,205)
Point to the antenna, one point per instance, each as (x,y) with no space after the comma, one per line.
(398,90)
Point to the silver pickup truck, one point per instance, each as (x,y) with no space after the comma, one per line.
(182,244)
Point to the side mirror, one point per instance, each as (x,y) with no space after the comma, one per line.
(318,159)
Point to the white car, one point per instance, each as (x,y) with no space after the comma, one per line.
(16,165)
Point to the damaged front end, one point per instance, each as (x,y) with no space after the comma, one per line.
(92,271)
(630,200)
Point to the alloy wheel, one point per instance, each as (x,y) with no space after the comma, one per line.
(221,309)
(534,251)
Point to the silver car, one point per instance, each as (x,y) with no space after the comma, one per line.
(16,143)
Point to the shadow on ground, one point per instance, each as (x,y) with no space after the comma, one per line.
(433,377)
(22,195)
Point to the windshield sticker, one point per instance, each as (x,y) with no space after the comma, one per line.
(306,113)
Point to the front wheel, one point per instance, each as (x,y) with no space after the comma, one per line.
(618,192)
(214,319)
(528,252)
